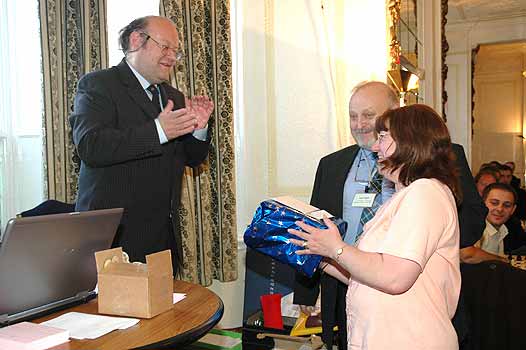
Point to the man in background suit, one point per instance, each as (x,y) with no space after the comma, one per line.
(134,137)
(515,181)
(334,189)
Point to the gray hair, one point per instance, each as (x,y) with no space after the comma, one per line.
(137,25)
(391,94)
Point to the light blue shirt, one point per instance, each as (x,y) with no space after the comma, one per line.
(359,176)
(199,134)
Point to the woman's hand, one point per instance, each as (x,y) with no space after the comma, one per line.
(317,241)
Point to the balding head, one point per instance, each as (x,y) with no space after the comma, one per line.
(380,88)
(151,46)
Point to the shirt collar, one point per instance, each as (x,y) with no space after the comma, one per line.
(366,153)
(492,230)
(142,80)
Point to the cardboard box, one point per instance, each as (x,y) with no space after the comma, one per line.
(131,289)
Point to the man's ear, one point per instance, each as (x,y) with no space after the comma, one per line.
(513,210)
(136,41)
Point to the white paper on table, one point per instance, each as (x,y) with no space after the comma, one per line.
(178,297)
(87,326)
(303,207)
(288,308)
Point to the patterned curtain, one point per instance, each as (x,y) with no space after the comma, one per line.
(73,43)
(208,208)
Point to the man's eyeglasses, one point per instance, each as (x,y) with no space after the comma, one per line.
(164,48)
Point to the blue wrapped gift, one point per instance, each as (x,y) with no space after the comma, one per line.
(267,233)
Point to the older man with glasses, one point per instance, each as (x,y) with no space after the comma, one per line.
(134,134)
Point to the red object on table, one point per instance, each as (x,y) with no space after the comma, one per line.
(271,305)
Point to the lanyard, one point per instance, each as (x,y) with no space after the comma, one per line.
(371,171)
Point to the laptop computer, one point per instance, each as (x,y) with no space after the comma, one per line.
(47,262)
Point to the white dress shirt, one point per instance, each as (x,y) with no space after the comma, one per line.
(492,240)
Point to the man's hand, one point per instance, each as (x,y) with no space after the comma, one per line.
(177,123)
(201,108)
(475,255)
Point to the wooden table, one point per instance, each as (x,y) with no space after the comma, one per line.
(188,321)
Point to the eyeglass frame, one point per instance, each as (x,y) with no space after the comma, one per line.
(164,48)
(382,135)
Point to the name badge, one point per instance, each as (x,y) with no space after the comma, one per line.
(363,200)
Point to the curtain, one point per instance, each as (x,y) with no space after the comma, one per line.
(208,205)
(73,43)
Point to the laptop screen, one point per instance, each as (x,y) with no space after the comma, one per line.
(46,261)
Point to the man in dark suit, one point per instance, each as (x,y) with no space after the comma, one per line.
(335,177)
(132,151)
(507,177)
(515,181)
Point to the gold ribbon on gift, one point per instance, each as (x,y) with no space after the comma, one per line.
(125,258)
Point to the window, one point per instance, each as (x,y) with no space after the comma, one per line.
(119,14)
(21,109)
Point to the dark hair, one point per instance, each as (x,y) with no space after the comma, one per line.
(489,166)
(423,146)
(505,168)
(488,170)
(499,186)
(137,25)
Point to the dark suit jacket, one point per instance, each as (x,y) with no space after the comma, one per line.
(123,163)
(515,182)
(328,194)
(472,211)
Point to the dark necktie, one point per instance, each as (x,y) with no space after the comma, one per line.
(375,186)
(155,97)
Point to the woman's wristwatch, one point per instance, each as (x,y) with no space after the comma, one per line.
(339,252)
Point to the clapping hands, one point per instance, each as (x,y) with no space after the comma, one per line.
(185,120)
(201,108)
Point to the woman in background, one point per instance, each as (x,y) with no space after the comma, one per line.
(403,275)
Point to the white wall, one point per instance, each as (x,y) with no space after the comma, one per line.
(429,59)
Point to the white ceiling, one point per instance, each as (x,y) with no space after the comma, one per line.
(476,10)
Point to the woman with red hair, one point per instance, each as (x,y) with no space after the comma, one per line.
(403,273)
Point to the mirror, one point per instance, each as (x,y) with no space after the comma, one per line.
(407,31)
(485,85)
(404,46)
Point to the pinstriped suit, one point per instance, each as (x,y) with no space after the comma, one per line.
(124,164)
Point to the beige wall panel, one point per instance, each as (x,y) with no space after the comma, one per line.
(300,99)
(499,100)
